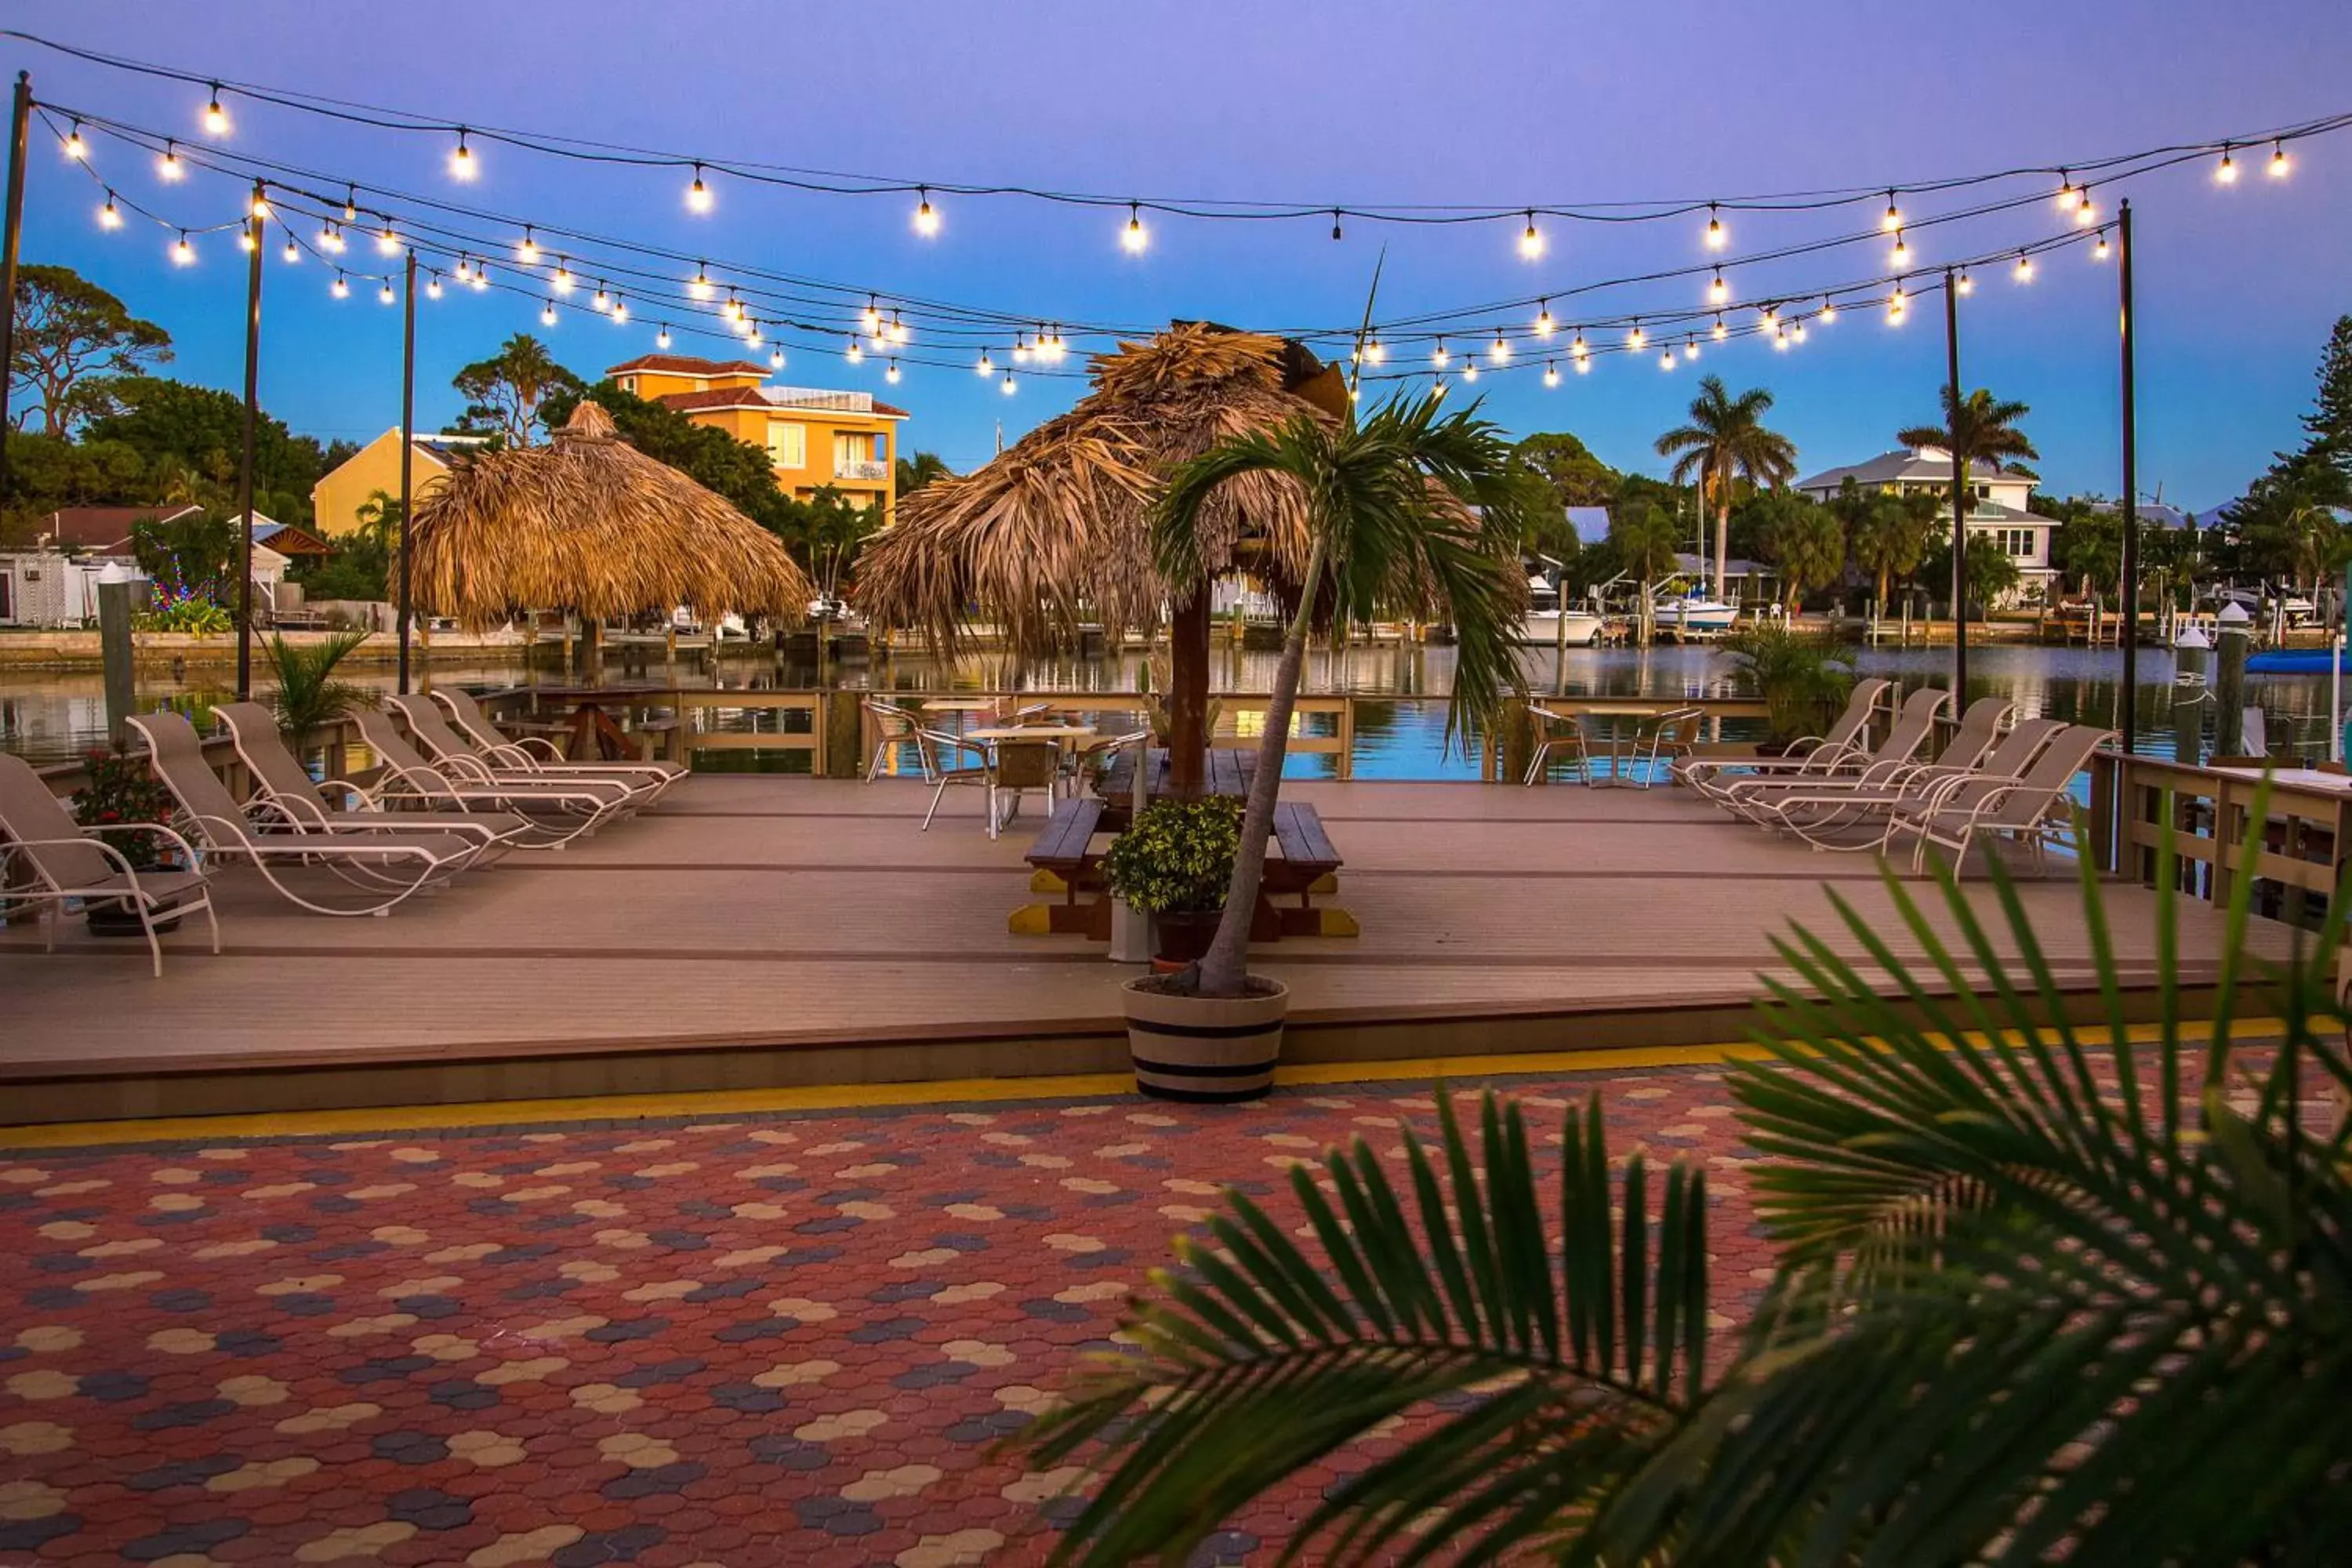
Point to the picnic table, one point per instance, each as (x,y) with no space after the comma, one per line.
(596,733)
(1229,771)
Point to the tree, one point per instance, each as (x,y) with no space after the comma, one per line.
(1989,570)
(1577,478)
(2329,423)
(825,532)
(919,470)
(1645,537)
(2089,547)
(1809,547)
(75,342)
(191,556)
(1405,508)
(2043,1294)
(1888,538)
(1725,441)
(195,436)
(738,470)
(360,567)
(504,392)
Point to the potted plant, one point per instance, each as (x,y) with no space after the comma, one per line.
(1411,513)
(308,697)
(1803,678)
(119,790)
(1174,863)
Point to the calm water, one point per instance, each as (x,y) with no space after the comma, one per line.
(1399,733)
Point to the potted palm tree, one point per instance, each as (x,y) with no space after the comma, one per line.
(308,697)
(1405,508)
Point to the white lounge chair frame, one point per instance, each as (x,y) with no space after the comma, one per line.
(68,861)
(468,723)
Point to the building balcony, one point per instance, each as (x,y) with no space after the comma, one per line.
(864,470)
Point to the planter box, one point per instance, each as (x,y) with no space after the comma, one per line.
(1205,1049)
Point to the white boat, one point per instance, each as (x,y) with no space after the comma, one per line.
(1695,615)
(1541,628)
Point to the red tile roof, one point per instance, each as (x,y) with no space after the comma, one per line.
(893,410)
(716,397)
(687,364)
(106,527)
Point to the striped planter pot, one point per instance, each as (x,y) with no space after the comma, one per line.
(1206,1049)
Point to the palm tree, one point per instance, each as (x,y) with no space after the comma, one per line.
(1405,510)
(1978,432)
(1725,441)
(2040,1295)
(1810,544)
(1645,537)
(1887,536)
(308,697)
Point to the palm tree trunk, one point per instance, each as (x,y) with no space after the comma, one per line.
(1188,695)
(1224,972)
(1722,537)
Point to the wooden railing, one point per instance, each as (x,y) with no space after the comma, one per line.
(2297,844)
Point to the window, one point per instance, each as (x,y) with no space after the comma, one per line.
(2019,543)
(787,444)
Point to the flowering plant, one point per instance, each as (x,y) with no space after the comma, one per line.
(120,790)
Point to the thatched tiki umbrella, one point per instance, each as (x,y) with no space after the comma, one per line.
(590,522)
(1055,533)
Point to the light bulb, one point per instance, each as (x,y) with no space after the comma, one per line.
(388,242)
(751,333)
(2086,211)
(350,204)
(1719,332)
(481,279)
(1829,311)
(76,148)
(734,311)
(1718,292)
(1901,255)
(216,117)
(1551,373)
(1895,307)
(2279,164)
(1531,240)
(330,240)
(927,216)
(1374,352)
(699,287)
(899,333)
(1892,219)
(1469,369)
(1501,353)
(620,309)
(260,207)
(1007,387)
(1797,331)
(986,367)
(602,301)
(339,289)
(432,287)
(384,294)
(776,357)
(2225,173)
(1690,348)
(890,375)
(526,252)
(183,253)
(1780,340)
(1437,356)
(461,161)
(1019,350)
(2099,251)
(1437,387)
(1716,237)
(562,281)
(547,314)
(1666,359)
(698,194)
(1578,347)
(1966,286)
(1583,365)
(464,269)
(1545,326)
(2024,273)
(872,319)
(2068,196)
(1636,338)
(661,338)
(292,253)
(1335,223)
(1134,238)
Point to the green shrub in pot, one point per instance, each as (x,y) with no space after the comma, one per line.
(1177,856)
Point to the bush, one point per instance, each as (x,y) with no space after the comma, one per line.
(1803,678)
(1178,855)
(191,614)
(120,789)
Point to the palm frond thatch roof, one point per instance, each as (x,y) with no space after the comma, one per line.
(590,522)
(1054,532)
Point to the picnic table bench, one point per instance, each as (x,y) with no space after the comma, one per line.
(1065,861)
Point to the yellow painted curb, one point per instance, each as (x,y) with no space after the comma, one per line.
(1030,919)
(1338,923)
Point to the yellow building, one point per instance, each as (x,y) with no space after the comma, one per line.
(336,499)
(846,439)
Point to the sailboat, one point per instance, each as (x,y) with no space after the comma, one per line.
(1550,624)
(1695,613)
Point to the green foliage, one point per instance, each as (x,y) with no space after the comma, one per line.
(192,440)
(361,566)
(74,343)
(192,555)
(2043,1292)
(1989,572)
(506,393)
(308,697)
(1888,534)
(47,472)
(1177,856)
(1577,478)
(1644,538)
(2328,426)
(1802,538)
(916,472)
(194,616)
(2089,546)
(118,787)
(1802,678)
(1726,444)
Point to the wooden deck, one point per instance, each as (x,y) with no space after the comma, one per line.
(760,931)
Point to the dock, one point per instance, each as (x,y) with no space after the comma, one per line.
(758,931)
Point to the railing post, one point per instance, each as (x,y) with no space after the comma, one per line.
(1346,768)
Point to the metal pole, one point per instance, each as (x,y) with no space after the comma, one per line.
(9,243)
(253,228)
(407,448)
(2129,703)
(1959,500)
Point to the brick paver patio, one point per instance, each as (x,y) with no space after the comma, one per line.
(775,1338)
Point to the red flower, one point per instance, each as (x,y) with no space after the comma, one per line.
(110,817)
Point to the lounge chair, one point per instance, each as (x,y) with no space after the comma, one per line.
(471,724)
(66,860)
(1829,818)
(1814,753)
(386,869)
(558,813)
(1913,726)
(457,757)
(284,785)
(2030,810)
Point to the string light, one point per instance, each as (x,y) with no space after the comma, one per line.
(292,253)
(76,148)
(1007,388)
(853,353)
(1901,256)
(1768,314)
(620,309)
(1134,238)
(1780,339)
(1545,326)
(699,286)
(1501,353)
(1437,386)
(872,319)
(776,357)
(2086,211)
(183,253)
(340,290)
(388,242)
(1717,238)
(1531,239)
(890,375)
(1020,348)
(1551,373)
(899,333)
(1892,220)
(1829,310)
(751,333)
(927,216)
(432,287)
(986,367)
(481,277)
(2225,173)
(602,301)
(1896,307)
(1583,365)
(1797,331)
(350,204)
(661,338)
(1636,338)
(2024,273)
(2069,198)
(528,251)
(2279,164)
(1666,358)
(1470,369)
(216,117)
(1374,351)
(547,314)
(244,240)
(168,168)
(462,165)
(383,294)
(1437,355)
(1718,292)
(109,216)
(1690,348)
(698,194)
(1579,351)
(2099,251)
(330,240)
(1335,223)
(1719,332)
(260,207)
(562,281)
(1967,285)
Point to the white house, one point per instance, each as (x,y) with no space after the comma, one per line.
(1997,506)
(53,581)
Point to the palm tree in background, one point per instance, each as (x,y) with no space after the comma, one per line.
(1645,537)
(1726,441)
(1979,431)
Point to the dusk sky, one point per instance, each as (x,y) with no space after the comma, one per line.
(1319,103)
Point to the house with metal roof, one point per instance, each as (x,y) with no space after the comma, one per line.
(1998,505)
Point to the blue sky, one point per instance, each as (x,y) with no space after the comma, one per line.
(1314,101)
